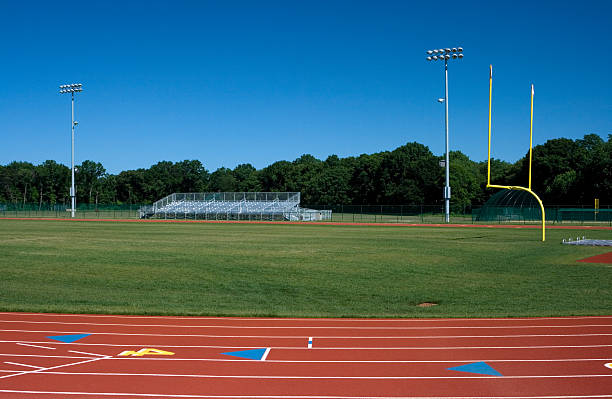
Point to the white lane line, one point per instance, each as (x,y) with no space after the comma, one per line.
(309,342)
(321,337)
(375,361)
(265,355)
(35,346)
(304,377)
(308,327)
(87,353)
(24,365)
(342,348)
(193,359)
(51,368)
(151,395)
(45,356)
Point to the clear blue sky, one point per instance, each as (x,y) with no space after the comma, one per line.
(230,82)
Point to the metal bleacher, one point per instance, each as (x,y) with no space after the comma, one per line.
(232,206)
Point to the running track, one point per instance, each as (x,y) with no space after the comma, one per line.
(348,358)
(391,224)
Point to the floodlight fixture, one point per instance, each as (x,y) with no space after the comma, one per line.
(446,54)
(72,88)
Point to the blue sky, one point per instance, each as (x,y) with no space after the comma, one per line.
(232,82)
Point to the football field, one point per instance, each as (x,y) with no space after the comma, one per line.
(298,270)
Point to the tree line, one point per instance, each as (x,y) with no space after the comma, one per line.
(564,172)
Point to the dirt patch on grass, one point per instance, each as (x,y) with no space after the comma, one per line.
(427,304)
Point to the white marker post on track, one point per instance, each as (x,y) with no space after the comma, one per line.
(309,342)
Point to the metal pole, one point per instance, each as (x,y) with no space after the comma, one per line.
(72,189)
(447,186)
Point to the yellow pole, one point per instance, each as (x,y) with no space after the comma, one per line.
(531,137)
(489,154)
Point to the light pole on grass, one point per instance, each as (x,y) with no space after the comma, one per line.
(72,88)
(446,54)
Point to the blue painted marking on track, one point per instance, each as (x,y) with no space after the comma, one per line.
(68,338)
(252,354)
(477,368)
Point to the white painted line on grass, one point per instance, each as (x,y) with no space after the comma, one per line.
(24,365)
(35,346)
(340,320)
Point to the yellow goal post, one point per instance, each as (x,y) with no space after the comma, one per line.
(528,188)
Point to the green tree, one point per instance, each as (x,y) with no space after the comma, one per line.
(247,178)
(87,180)
(223,180)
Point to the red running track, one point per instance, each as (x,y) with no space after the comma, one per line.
(348,358)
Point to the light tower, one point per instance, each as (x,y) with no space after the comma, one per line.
(445,54)
(72,88)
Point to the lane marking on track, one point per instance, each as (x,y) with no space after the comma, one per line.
(35,346)
(51,368)
(307,327)
(323,361)
(328,337)
(331,320)
(348,348)
(265,355)
(146,351)
(151,395)
(24,365)
(382,361)
(309,342)
(87,353)
(53,356)
(293,377)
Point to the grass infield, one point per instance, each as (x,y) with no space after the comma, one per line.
(297,270)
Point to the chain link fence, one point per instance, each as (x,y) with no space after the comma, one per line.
(418,214)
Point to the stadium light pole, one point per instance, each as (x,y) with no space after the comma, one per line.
(72,88)
(445,54)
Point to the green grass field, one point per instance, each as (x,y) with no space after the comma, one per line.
(297,270)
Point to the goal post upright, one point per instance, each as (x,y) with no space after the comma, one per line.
(527,189)
(489,153)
